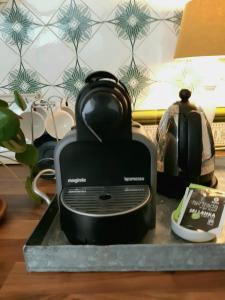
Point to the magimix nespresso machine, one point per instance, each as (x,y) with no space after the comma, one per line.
(105,169)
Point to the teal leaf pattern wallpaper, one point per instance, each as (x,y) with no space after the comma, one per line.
(73,80)
(16,25)
(74,22)
(25,81)
(51,50)
(132,21)
(135,78)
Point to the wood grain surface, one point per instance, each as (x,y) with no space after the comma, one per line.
(17,283)
(3,208)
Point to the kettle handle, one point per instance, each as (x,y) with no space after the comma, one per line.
(195,145)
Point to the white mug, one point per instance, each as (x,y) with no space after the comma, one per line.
(65,106)
(41,110)
(58,123)
(32,124)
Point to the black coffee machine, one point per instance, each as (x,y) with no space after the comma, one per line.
(105,169)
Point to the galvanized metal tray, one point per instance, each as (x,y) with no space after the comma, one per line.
(48,250)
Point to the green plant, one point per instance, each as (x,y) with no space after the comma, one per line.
(12,138)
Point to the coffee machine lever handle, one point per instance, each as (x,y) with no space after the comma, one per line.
(100,75)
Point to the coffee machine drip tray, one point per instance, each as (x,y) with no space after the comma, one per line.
(105,201)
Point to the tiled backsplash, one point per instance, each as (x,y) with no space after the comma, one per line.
(50,46)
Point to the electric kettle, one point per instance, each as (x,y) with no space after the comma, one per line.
(185,148)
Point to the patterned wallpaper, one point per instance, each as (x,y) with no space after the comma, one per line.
(50,46)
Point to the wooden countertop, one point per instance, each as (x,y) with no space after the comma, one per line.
(15,283)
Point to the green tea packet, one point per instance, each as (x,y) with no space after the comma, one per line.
(202,209)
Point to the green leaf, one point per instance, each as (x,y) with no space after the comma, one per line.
(29,157)
(17,145)
(20,138)
(12,146)
(3,103)
(9,124)
(20,100)
(30,192)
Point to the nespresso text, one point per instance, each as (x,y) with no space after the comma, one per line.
(129,179)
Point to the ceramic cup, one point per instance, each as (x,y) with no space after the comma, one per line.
(27,119)
(65,106)
(41,110)
(58,123)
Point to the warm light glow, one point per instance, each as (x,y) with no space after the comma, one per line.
(200,43)
(220,94)
(200,76)
(168,4)
(204,96)
(161,95)
(181,74)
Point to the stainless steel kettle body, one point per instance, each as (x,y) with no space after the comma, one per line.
(185,148)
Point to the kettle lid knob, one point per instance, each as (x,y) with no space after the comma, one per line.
(184,94)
